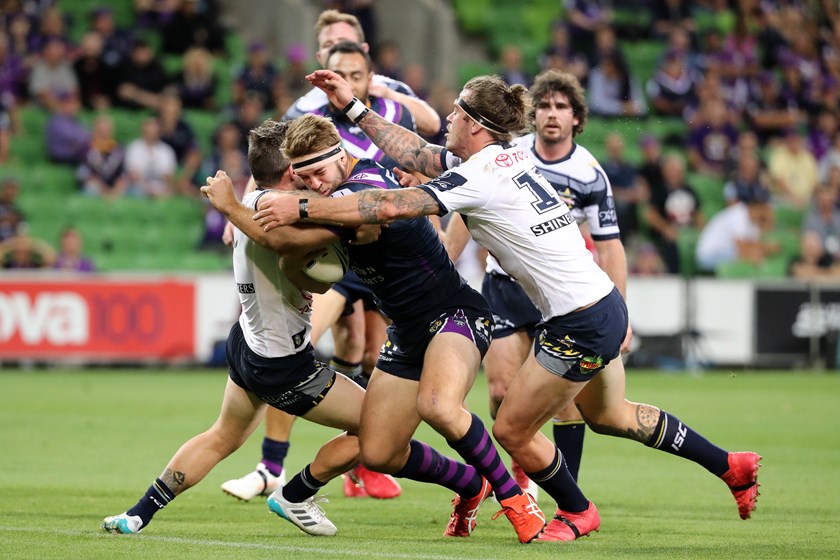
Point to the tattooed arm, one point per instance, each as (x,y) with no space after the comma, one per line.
(400,144)
(373,206)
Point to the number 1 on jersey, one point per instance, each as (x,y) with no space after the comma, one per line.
(546,199)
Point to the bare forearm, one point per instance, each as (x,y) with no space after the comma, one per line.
(456,238)
(426,118)
(402,145)
(374,206)
(613,261)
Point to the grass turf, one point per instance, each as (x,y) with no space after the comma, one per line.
(78,445)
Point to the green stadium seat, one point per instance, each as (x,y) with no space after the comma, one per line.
(207,261)
(736,269)
(643,57)
(132,211)
(470,70)
(48,178)
(204,124)
(472,14)
(788,216)
(28,148)
(687,246)
(710,192)
(775,267)
(788,240)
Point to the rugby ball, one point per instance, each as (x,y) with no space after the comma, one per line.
(330,264)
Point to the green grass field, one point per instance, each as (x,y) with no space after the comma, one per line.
(76,446)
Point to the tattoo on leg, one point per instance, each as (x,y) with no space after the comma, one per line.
(646,419)
(174,480)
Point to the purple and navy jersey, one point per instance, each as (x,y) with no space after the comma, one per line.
(356,142)
(407,268)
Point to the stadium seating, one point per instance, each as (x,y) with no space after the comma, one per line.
(123,233)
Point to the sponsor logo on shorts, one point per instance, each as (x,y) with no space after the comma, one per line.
(564,348)
(591,363)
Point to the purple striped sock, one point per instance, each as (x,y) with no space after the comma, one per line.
(478,450)
(425,464)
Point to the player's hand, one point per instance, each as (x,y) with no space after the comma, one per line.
(219,191)
(405,178)
(337,89)
(227,234)
(277,209)
(628,339)
(367,233)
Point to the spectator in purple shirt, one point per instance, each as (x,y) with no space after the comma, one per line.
(67,138)
(12,74)
(711,141)
(70,255)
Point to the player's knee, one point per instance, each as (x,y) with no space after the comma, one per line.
(223,442)
(436,411)
(379,460)
(497,391)
(507,437)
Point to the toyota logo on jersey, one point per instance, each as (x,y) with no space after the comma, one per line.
(504,160)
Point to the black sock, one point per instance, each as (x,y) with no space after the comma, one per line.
(353,370)
(674,437)
(273,454)
(156,498)
(557,481)
(568,437)
(302,486)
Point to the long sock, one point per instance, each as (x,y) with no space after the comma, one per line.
(353,370)
(425,464)
(568,437)
(674,437)
(155,499)
(557,481)
(273,454)
(478,450)
(302,486)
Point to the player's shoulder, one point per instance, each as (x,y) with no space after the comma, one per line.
(393,84)
(310,102)
(367,173)
(250,198)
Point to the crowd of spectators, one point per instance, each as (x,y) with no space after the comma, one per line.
(756,84)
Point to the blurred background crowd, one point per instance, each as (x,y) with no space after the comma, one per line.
(716,121)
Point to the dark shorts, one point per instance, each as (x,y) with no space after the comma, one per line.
(353,290)
(294,384)
(403,352)
(578,345)
(512,309)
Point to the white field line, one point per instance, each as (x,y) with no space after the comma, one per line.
(327,552)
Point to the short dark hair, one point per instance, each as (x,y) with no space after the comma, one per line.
(554,81)
(349,47)
(266,159)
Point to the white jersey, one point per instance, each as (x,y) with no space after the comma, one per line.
(275,317)
(511,210)
(582,184)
